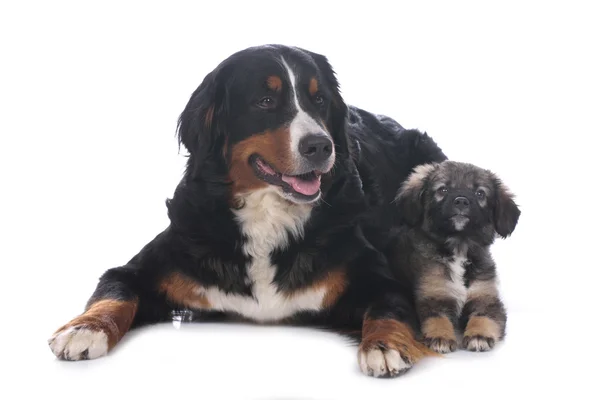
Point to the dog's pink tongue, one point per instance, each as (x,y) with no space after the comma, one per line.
(307,187)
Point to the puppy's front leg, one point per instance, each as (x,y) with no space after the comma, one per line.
(483,317)
(388,346)
(438,306)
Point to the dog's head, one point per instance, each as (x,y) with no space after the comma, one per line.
(266,117)
(452,198)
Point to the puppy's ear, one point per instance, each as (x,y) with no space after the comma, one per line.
(410,195)
(506,211)
(199,128)
(338,111)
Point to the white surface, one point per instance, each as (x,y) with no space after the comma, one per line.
(89,98)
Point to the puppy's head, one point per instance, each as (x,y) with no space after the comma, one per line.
(267,117)
(452,198)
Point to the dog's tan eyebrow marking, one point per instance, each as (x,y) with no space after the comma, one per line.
(313,87)
(274,83)
(438,185)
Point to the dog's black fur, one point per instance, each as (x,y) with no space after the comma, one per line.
(203,247)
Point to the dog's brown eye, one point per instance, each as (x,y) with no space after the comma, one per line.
(480,194)
(443,190)
(319,100)
(266,102)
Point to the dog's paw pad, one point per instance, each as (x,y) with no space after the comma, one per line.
(382,363)
(478,343)
(79,343)
(441,345)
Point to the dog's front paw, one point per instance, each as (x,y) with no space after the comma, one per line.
(439,335)
(481,334)
(78,342)
(441,345)
(381,362)
(478,343)
(388,348)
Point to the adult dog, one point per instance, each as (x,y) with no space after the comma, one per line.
(286,195)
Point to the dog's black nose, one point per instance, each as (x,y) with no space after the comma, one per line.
(461,203)
(315,148)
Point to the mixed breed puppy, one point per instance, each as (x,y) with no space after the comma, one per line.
(298,209)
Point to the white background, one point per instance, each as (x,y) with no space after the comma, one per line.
(89,98)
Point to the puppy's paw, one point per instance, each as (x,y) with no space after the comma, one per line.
(481,334)
(388,348)
(439,335)
(441,345)
(382,362)
(79,343)
(478,343)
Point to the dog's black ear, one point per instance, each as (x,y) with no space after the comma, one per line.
(200,128)
(506,211)
(410,196)
(338,112)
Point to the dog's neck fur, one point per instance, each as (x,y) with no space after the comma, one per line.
(267,220)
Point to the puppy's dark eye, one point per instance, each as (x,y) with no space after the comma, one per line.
(319,100)
(443,190)
(266,102)
(480,194)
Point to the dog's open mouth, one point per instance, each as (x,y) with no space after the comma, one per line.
(305,186)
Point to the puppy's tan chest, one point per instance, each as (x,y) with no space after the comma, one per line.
(445,280)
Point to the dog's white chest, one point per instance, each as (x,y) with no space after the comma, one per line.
(456,284)
(266,221)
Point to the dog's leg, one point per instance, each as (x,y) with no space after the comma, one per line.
(389,346)
(483,317)
(124,296)
(438,309)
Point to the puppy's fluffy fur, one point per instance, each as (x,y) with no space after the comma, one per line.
(454,211)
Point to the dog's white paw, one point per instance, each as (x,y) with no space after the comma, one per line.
(381,363)
(79,343)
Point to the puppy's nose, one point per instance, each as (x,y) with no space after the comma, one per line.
(316,148)
(461,203)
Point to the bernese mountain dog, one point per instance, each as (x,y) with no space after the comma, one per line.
(280,217)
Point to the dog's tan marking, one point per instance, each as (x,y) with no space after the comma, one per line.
(183,291)
(313,87)
(113,317)
(274,83)
(482,290)
(482,326)
(439,334)
(434,284)
(271,146)
(335,284)
(438,327)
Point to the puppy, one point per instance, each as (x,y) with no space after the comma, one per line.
(453,212)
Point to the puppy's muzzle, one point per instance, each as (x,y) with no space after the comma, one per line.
(462,205)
